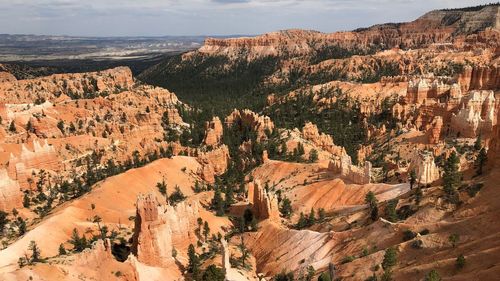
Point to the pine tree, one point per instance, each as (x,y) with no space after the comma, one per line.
(244,253)
(413,178)
(206,230)
(460,262)
(162,187)
(29,126)
(390,258)
(372,201)
(321,214)
(21,225)
(62,250)
(12,127)
(312,218)
(390,210)
(418,195)
(478,144)
(3,220)
(60,126)
(229,197)
(433,275)
(194,262)
(35,252)
(481,160)
(313,156)
(286,208)
(218,203)
(452,177)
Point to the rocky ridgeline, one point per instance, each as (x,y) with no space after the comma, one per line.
(73,85)
(436,27)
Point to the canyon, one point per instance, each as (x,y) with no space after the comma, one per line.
(361,155)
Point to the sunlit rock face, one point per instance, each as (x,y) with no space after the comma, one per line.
(424,167)
(10,192)
(477,115)
(344,167)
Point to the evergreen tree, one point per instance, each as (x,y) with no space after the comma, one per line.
(62,250)
(454,238)
(481,160)
(3,220)
(418,195)
(302,221)
(413,178)
(386,276)
(390,258)
(206,230)
(325,276)
(433,275)
(60,126)
(26,200)
(390,210)
(162,187)
(176,196)
(29,126)
(460,262)
(21,225)
(244,253)
(218,203)
(321,214)
(478,144)
(229,198)
(284,276)
(79,243)
(194,262)
(300,149)
(12,127)
(35,252)
(312,218)
(452,177)
(286,208)
(313,156)
(310,273)
(213,273)
(372,202)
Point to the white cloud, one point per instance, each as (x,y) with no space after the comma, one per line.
(161,17)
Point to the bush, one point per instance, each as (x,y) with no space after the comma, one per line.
(433,275)
(460,262)
(390,258)
(213,273)
(474,189)
(283,276)
(408,235)
(325,276)
(348,259)
(417,244)
(424,232)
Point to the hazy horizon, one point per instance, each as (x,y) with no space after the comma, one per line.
(156,18)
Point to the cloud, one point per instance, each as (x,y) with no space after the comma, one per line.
(230,1)
(193,17)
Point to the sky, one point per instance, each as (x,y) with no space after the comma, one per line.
(205,17)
